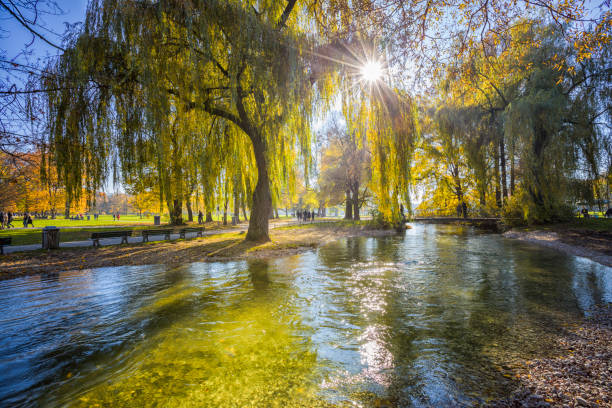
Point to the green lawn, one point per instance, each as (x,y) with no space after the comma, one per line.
(102,220)
(81,230)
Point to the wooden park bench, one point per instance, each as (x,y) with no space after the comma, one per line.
(96,236)
(165,232)
(5,241)
(183,231)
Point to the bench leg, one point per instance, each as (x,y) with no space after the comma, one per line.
(145,238)
(182,235)
(167,237)
(124,239)
(200,234)
(96,243)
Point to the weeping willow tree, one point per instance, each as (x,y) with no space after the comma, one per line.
(155,74)
(513,109)
(386,121)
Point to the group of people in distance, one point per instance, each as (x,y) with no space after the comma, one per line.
(585,213)
(6,220)
(305,215)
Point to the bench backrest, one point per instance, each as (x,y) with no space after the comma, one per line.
(192,229)
(5,241)
(157,232)
(110,234)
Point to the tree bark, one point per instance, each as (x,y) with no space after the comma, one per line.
(225,204)
(209,217)
(262,200)
(502,158)
(242,203)
(66,209)
(356,204)
(498,199)
(348,213)
(189,211)
(237,206)
(175,208)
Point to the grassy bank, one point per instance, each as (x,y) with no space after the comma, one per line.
(222,246)
(28,236)
(584,224)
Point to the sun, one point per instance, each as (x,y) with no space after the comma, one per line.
(372,71)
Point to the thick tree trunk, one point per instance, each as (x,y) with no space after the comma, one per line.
(236,205)
(66,209)
(348,212)
(225,204)
(189,211)
(209,217)
(175,208)
(498,198)
(502,158)
(512,170)
(244,212)
(276,213)
(262,200)
(356,205)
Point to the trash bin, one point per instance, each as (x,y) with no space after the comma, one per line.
(156,220)
(50,237)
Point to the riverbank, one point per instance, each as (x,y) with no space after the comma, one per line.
(591,244)
(219,247)
(580,377)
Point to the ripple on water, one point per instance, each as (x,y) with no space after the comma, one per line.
(424,319)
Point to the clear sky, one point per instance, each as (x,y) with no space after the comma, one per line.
(14,37)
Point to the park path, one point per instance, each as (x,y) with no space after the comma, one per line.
(242,227)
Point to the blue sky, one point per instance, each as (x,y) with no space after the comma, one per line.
(14,37)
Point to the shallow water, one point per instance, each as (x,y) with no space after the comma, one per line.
(423,319)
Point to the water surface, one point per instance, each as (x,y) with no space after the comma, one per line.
(429,318)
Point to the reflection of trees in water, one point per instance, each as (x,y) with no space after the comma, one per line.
(436,314)
(362,288)
(258,272)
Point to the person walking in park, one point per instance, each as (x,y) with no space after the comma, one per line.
(299,215)
(1,219)
(200,217)
(9,220)
(312,215)
(27,220)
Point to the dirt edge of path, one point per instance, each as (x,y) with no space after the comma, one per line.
(219,247)
(571,242)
